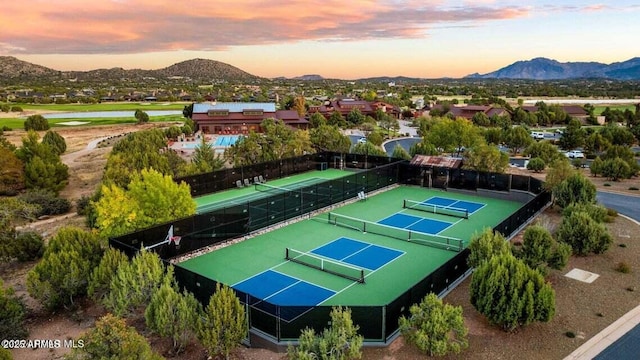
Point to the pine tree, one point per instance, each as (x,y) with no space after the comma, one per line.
(485,245)
(173,314)
(113,339)
(511,294)
(224,323)
(63,273)
(101,276)
(134,283)
(338,342)
(437,329)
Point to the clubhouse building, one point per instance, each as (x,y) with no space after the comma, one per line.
(241,117)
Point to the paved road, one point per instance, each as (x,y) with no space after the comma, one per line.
(628,205)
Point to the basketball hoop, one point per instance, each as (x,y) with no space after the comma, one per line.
(176,240)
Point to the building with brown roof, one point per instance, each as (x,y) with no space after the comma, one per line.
(345,106)
(240,118)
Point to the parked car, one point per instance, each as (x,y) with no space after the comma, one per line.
(574,154)
(537,135)
(362,140)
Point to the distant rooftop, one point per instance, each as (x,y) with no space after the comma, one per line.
(234,107)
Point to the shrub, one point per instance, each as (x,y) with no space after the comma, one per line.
(339,341)
(511,294)
(16,108)
(437,329)
(559,256)
(633,188)
(63,272)
(485,245)
(12,314)
(111,338)
(575,189)
(536,164)
(623,267)
(584,234)
(606,184)
(36,123)
(616,169)
(596,166)
(48,202)
(570,334)
(55,141)
(5,108)
(612,212)
(222,326)
(597,212)
(28,246)
(6,128)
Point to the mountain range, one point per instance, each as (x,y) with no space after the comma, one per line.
(549,69)
(203,70)
(13,70)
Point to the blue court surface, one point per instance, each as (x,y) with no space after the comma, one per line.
(281,289)
(470,206)
(414,223)
(358,253)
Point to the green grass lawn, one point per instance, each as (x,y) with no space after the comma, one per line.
(103,106)
(18,123)
(600,109)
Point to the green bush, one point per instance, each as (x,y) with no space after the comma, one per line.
(435,328)
(616,169)
(48,202)
(28,246)
(36,123)
(575,189)
(511,294)
(55,141)
(12,314)
(16,108)
(597,212)
(536,164)
(633,188)
(6,128)
(583,234)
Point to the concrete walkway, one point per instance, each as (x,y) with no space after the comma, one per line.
(606,337)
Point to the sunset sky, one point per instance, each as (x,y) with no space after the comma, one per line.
(345,39)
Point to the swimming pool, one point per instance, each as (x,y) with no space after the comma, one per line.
(226,140)
(221,141)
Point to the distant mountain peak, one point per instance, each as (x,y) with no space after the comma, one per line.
(541,68)
(309,77)
(15,70)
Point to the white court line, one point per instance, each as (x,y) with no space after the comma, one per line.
(366,276)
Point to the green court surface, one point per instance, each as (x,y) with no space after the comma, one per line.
(248,193)
(235,263)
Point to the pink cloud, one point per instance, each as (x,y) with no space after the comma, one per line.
(122,26)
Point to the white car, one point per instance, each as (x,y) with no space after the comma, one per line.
(574,154)
(362,140)
(537,135)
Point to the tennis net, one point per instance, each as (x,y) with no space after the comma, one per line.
(272,189)
(438,241)
(331,266)
(435,209)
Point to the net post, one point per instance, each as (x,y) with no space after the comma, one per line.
(286,254)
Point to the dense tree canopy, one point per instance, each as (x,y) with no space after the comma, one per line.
(329,138)
(278,141)
(149,199)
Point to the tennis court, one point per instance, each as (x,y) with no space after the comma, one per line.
(257,191)
(314,262)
